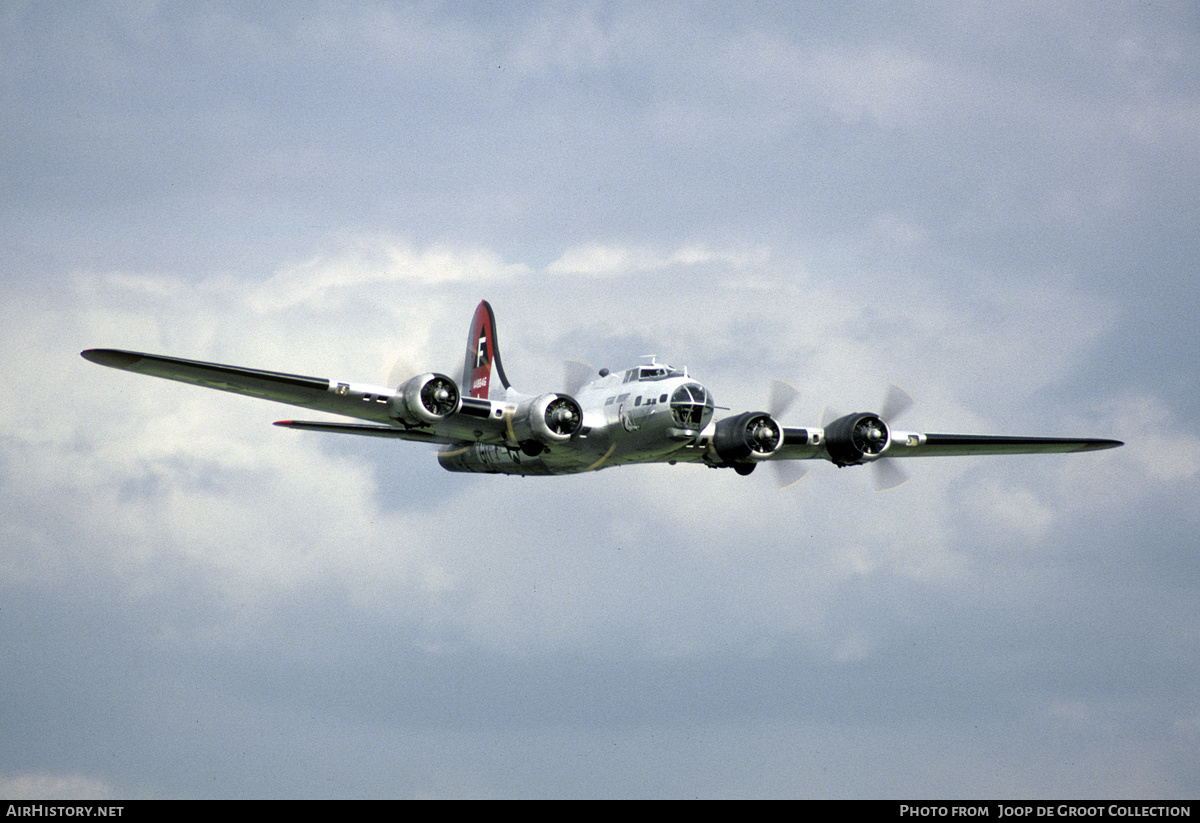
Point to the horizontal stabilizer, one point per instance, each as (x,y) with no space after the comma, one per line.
(362,428)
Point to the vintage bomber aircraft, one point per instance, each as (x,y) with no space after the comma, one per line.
(651,413)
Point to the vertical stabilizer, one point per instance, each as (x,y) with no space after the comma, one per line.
(483,375)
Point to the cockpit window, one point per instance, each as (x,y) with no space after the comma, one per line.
(691,406)
(658,372)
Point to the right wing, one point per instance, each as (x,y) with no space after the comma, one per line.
(473,420)
(309,392)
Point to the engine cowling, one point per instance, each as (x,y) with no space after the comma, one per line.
(747,438)
(425,399)
(545,421)
(857,438)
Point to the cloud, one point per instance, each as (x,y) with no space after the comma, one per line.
(1017,513)
(374,262)
(1165,449)
(569,42)
(600,259)
(59,787)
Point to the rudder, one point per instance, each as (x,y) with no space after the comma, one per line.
(483,374)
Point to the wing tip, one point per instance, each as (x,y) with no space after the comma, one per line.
(114,358)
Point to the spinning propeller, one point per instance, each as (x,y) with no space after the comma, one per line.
(868,436)
(562,417)
(787,472)
(888,474)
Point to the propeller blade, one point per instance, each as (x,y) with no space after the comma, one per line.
(888,475)
(401,371)
(782,396)
(788,472)
(896,403)
(576,373)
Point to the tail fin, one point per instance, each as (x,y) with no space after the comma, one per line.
(483,375)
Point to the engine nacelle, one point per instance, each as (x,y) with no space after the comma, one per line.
(750,436)
(546,420)
(425,399)
(857,438)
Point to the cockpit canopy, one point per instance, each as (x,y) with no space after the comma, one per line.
(654,371)
(691,406)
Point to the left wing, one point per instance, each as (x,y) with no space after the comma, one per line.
(948,445)
(860,439)
(864,438)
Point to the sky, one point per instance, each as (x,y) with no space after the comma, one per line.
(993,205)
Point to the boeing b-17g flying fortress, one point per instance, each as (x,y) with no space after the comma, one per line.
(650,413)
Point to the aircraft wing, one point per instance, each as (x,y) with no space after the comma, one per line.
(948,445)
(473,419)
(282,388)
(834,446)
(802,444)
